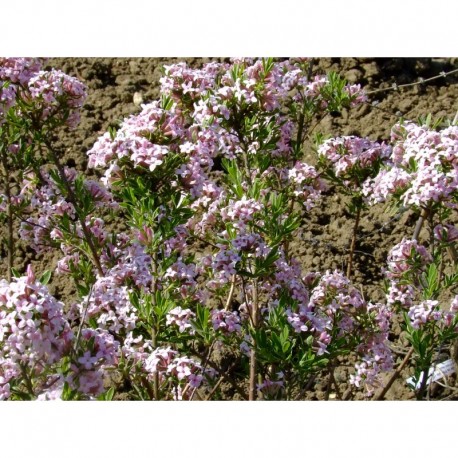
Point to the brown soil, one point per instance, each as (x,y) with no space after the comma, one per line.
(324,239)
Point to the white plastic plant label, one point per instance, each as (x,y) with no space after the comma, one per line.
(439,371)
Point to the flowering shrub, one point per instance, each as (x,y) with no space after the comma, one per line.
(211,185)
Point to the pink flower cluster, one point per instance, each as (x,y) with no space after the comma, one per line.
(387,183)
(419,314)
(142,140)
(430,310)
(307,183)
(225,321)
(352,156)
(127,266)
(377,356)
(293,78)
(406,255)
(219,266)
(332,293)
(424,167)
(379,359)
(98,350)
(14,73)
(33,329)
(110,305)
(127,262)
(58,95)
(180,80)
(183,275)
(250,244)
(170,366)
(181,318)
(446,233)
(54,93)
(406,260)
(19,70)
(240,212)
(336,307)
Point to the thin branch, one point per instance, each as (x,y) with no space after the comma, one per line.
(353,242)
(83,318)
(212,392)
(253,355)
(395,375)
(231,293)
(307,386)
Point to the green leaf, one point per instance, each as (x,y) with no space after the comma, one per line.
(108,395)
(15,273)
(201,323)
(44,279)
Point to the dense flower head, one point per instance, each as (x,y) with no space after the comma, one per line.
(127,266)
(102,198)
(180,80)
(288,276)
(307,184)
(33,328)
(142,140)
(127,262)
(182,276)
(446,233)
(356,93)
(110,306)
(240,212)
(400,293)
(406,261)
(181,318)
(98,350)
(159,360)
(58,95)
(14,73)
(378,359)
(170,366)
(419,314)
(221,266)
(336,308)
(19,70)
(374,350)
(334,291)
(385,184)
(225,321)
(405,256)
(251,244)
(424,166)
(430,311)
(328,301)
(353,159)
